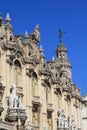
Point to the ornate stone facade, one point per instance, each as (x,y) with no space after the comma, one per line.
(84,112)
(35,94)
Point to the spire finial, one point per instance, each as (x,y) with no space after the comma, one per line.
(61,33)
(8,18)
(26,35)
(53,58)
(37,26)
(26,32)
(41,48)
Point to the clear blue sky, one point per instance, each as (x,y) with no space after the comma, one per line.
(69,15)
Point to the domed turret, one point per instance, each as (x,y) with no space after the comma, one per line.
(61,50)
(62,60)
(61,47)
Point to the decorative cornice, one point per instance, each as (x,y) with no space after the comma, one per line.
(49,108)
(55,81)
(77,97)
(13,46)
(36,101)
(45,72)
(31,60)
(65,63)
(67,89)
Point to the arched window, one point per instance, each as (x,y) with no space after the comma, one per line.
(49,120)
(17,72)
(34,83)
(59,97)
(48,91)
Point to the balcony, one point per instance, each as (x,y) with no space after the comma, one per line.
(36,100)
(50,107)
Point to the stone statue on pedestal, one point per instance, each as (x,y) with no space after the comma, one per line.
(20,104)
(37,33)
(14,101)
(66,123)
(62,121)
(72,125)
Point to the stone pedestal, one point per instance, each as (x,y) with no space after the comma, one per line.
(15,114)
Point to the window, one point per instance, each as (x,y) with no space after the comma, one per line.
(34,83)
(17,72)
(35,116)
(49,120)
(48,92)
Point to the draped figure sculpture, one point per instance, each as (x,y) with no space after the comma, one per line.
(14,101)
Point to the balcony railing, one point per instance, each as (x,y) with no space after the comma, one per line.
(36,100)
(50,107)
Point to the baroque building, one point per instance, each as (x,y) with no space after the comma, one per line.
(84,112)
(35,94)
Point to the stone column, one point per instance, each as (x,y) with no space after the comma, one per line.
(63,101)
(8,77)
(40,109)
(79,116)
(30,100)
(3,74)
(39,88)
(44,121)
(71,106)
(44,108)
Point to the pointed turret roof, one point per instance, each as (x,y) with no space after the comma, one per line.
(26,35)
(8,18)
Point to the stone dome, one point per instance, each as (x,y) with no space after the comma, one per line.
(61,47)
